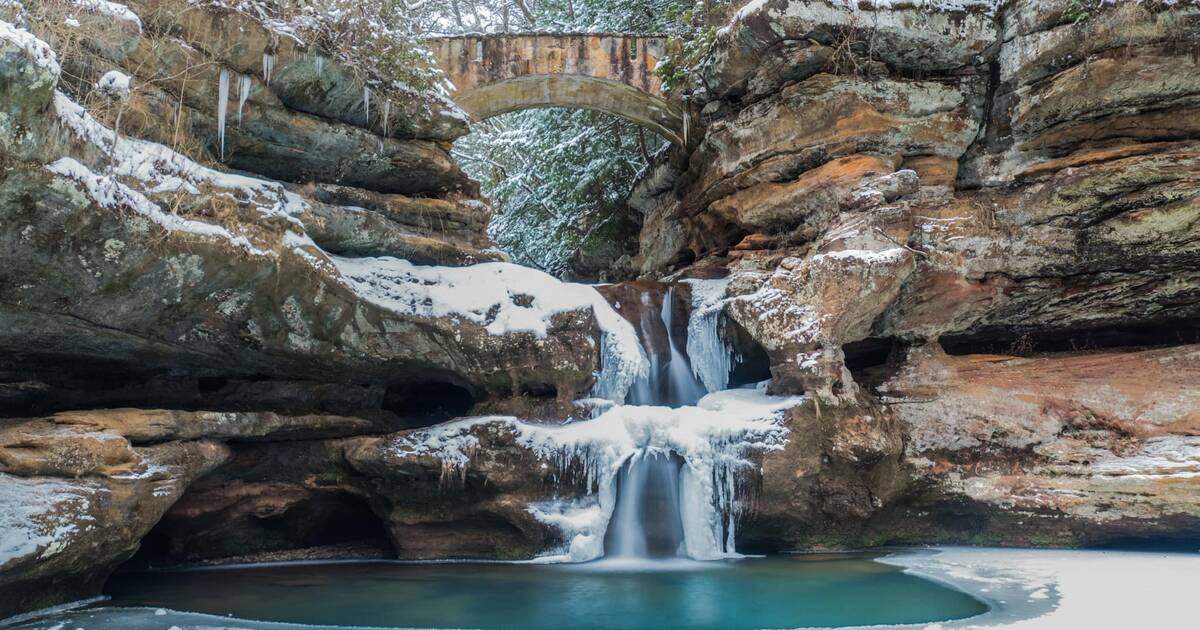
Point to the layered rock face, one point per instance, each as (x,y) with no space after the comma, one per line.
(960,231)
(226,289)
(259,248)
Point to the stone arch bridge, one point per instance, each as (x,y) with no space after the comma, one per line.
(610,72)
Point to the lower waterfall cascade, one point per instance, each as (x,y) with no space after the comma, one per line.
(661,480)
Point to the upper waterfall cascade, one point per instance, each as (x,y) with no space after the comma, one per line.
(660,509)
(659,479)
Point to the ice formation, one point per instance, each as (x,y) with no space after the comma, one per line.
(222,106)
(714,439)
(268,67)
(244,85)
(711,358)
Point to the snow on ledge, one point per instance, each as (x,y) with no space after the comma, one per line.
(503,298)
(110,193)
(1166,457)
(25,528)
(37,50)
(111,9)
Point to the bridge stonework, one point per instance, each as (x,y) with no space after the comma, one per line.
(614,73)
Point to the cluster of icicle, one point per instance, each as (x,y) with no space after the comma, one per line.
(244,86)
(711,358)
(715,438)
(245,83)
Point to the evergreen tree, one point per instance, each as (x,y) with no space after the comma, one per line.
(558,179)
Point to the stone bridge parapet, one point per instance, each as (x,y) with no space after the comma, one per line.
(611,72)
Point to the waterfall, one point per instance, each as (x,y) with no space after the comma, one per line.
(684,388)
(678,497)
(669,382)
(222,106)
(663,475)
(646,519)
(244,86)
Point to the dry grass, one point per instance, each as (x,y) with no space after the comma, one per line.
(141,115)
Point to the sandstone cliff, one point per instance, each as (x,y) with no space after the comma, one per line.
(201,212)
(962,229)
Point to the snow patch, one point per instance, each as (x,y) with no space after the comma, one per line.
(38,51)
(1173,456)
(1036,589)
(164,171)
(114,83)
(111,9)
(106,191)
(28,511)
(504,299)
(870,257)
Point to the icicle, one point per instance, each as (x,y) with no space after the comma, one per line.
(320,64)
(222,105)
(367,104)
(711,359)
(686,116)
(244,86)
(387,110)
(268,67)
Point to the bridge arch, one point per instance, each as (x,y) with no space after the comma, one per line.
(613,73)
